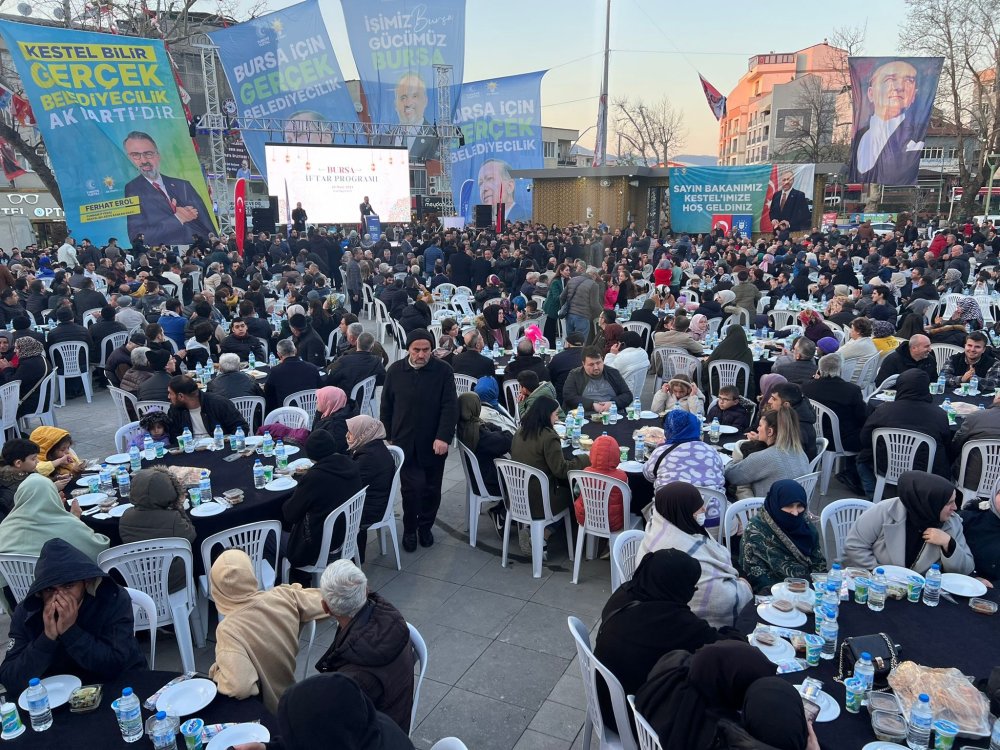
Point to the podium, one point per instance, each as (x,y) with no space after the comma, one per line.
(373,227)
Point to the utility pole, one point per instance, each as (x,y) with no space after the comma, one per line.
(601,147)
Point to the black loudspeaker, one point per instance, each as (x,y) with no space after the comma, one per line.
(273,201)
(262,220)
(484,216)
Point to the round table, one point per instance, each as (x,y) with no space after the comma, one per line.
(99,728)
(925,635)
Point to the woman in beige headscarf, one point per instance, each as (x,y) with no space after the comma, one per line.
(367,447)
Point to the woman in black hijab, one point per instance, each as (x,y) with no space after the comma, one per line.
(648,617)
(773,719)
(686,696)
(306,722)
(733,347)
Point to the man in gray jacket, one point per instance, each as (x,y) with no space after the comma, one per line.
(584,297)
(596,386)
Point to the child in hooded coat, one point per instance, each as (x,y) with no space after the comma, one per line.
(604,459)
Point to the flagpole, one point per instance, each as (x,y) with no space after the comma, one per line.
(601,147)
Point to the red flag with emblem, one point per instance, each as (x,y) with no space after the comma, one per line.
(240,206)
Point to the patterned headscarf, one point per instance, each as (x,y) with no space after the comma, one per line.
(969,310)
(28,346)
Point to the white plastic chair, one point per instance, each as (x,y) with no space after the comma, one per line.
(944,352)
(123,401)
(144,407)
(10,394)
(251,408)
(368,302)
(714,325)
(388,522)
(45,410)
(643,329)
(838,519)
(90,317)
(865,370)
(18,571)
(623,552)
(252,539)
(738,515)
(901,453)
(989,473)
(781,319)
(305,400)
(476,495)
(515,479)
(75,358)
(465,384)
(420,651)
(888,384)
(144,618)
(108,344)
(595,490)
(648,740)
(400,336)
(635,379)
(681,363)
(350,510)
(125,435)
(808,483)
(728,372)
(659,361)
(716,504)
(145,566)
(821,445)
(590,668)
(366,389)
(290,416)
(825,415)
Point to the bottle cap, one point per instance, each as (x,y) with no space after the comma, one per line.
(34,681)
(866,655)
(161,715)
(924,698)
(126,692)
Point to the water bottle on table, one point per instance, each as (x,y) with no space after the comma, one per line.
(252,361)
(268,445)
(281,456)
(39,710)
(205,487)
(241,439)
(918,728)
(218,438)
(187,441)
(148,449)
(134,458)
(941,383)
(272,361)
(258,475)
(613,412)
(130,716)
(877,591)
(163,733)
(714,431)
(829,631)
(932,586)
(974,384)
(124,484)
(865,670)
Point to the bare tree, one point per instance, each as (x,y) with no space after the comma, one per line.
(966,33)
(806,134)
(651,131)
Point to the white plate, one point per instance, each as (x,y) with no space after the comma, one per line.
(301,463)
(560,429)
(117,458)
(238,735)
(291,450)
(631,466)
(956,583)
(881,745)
(724,429)
(885,396)
(780,591)
(119,510)
(280,484)
(785,619)
(778,652)
(91,498)
(211,508)
(958,392)
(899,573)
(648,415)
(186,697)
(205,442)
(730,446)
(254,440)
(581,452)
(82,481)
(829,709)
(59,687)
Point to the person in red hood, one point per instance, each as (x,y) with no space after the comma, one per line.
(604,459)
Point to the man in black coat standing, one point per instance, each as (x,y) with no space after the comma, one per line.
(420,411)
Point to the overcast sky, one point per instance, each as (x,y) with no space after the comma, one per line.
(658,47)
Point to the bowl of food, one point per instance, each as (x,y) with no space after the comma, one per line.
(982,606)
(888,727)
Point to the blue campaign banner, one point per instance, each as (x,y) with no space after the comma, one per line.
(501,122)
(112,121)
(703,197)
(282,66)
(396,46)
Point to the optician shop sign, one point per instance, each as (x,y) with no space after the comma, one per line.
(36,206)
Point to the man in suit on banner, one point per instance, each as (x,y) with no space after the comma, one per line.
(886,150)
(411,105)
(171,211)
(790,204)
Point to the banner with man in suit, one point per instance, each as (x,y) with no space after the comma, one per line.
(397,45)
(892,99)
(501,122)
(111,117)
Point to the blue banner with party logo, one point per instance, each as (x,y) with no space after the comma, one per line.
(112,121)
(702,198)
(501,122)
(282,66)
(400,47)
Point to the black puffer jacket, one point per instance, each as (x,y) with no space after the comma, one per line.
(10,480)
(377,469)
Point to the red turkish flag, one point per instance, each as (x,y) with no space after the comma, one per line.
(240,204)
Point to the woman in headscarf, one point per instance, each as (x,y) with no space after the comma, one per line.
(684,457)
(686,696)
(679,391)
(780,542)
(915,530)
(733,347)
(951,283)
(489,395)
(699,327)
(31,368)
(648,617)
(772,719)
(882,335)
(306,722)
(815,328)
(678,522)
(712,308)
(485,440)
(982,533)
(967,315)
(333,408)
(367,448)
(663,272)
(767,385)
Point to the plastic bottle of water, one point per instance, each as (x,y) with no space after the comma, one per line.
(864,669)
(613,412)
(579,413)
(205,487)
(272,361)
(831,597)
(636,406)
(210,366)
(974,384)
(124,483)
(947,405)
(818,615)
(163,734)
(130,716)
(995,737)
(252,360)
(829,630)
(38,705)
(134,458)
(877,591)
(836,577)
(932,586)
(496,350)
(918,728)
(258,475)
(942,383)
(241,439)
(714,431)
(148,449)
(105,479)
(188,441)
(559,344)
(640,448)
(268,444)
(280,455)
(218,438)
(198,370)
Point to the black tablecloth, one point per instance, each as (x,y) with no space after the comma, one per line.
(99,728)
(949,635)
(257,505)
